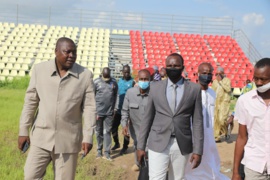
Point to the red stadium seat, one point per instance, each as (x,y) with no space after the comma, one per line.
(193,48)
(205,36)
(175,35)
(131,32)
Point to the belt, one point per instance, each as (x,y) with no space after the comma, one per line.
(172,135)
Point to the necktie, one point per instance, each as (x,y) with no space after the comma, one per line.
(173,100)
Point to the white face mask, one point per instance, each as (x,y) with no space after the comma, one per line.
(264,88)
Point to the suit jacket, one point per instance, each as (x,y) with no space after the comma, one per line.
(159,120)
(60,103)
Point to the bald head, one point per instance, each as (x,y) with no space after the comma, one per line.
(64,39)
(144,75)
(205,67)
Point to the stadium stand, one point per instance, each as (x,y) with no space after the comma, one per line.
(23,45)
(223,51)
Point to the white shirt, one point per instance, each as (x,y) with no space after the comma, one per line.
(252,111)
(209,169)
(208,103)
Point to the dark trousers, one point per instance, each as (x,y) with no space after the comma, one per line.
(103,134)
(116,123)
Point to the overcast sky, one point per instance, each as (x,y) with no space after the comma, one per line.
(252,16)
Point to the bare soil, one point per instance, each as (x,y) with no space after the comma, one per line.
(225,149)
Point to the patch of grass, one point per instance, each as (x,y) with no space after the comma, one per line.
(16,83)
(11,160)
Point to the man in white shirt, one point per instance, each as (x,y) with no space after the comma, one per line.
(253,115)
(210,165)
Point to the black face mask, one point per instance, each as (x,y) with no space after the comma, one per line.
(205,79)
(174,73)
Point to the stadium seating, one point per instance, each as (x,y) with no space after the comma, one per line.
(153,47)
(229,55)
(23,45)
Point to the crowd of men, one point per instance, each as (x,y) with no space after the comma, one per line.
(174,123)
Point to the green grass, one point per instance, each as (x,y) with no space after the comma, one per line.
(12,161)
(16,83)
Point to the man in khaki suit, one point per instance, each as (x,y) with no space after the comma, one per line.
(59,92)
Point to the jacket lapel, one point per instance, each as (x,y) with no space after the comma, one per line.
(185,96)
(164,98)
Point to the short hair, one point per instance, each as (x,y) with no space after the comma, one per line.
(263,62)
(106,68)
(126,66)
(176,54)
(64,39)
(206,63)
(146,71)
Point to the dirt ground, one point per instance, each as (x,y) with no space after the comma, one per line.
(225,149)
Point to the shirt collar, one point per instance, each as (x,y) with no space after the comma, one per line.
(139,92)
(124,80)
(254,93)
(179,83)
(73,71)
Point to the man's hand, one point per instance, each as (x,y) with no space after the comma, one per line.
(86,147)
(22,140)
(97,117)
(140,155)
(230,120)
(236,176)
(195,160)
(125,131)
(219,77)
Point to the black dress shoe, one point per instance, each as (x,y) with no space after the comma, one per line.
(116,146)
(123,151)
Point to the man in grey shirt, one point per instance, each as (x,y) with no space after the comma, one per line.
(106,93)
(133,108)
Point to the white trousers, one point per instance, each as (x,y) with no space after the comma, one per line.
(170,160)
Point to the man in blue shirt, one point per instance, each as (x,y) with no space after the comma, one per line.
(124,83)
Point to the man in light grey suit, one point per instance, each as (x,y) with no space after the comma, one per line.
(166,124)
(62,91)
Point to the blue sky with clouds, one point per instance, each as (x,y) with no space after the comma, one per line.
(252,16)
